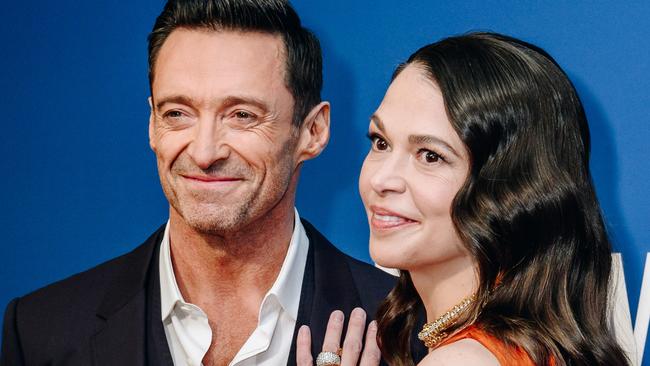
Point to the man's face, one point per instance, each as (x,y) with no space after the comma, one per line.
(221,126)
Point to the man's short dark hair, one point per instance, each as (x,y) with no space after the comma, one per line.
(304,77)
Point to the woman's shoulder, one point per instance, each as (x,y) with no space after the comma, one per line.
(461,352)
(474,346)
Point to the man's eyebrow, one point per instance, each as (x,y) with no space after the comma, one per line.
(431,140)
(177,98)
(225,103)
(378,122)
(245,99)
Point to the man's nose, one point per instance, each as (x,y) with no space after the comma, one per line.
(389,176)
(208,143)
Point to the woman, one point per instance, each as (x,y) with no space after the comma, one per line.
(477,187)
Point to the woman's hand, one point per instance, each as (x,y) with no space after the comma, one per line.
(354,352)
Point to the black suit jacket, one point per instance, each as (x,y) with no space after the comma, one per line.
(110,315)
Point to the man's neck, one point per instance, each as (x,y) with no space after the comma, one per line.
(241,265)
(228,274)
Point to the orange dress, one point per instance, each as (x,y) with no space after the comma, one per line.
(506,355)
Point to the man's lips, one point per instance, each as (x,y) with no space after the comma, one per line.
(210,179)
(221,184)
(384,219)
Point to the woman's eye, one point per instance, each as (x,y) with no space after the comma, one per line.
(381,144)
(378,143)
(430,156)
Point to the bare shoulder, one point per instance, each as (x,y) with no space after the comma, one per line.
(462,352)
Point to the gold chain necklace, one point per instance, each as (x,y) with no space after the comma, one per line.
(434,332)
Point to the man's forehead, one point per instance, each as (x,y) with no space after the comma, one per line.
(225,45)
(201,53)
(209,66)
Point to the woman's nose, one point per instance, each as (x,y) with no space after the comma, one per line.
(388,176)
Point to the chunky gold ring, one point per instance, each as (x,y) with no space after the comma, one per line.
(328,359)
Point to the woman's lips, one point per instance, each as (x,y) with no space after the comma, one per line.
(383,219)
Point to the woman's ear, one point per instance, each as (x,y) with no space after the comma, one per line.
(314,133)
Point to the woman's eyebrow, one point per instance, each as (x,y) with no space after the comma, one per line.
(429,139)
(377,122)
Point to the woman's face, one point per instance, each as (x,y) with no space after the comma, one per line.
(415,166)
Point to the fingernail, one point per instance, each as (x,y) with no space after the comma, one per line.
(358,313)
(372,326)
(304,330)
(337,315)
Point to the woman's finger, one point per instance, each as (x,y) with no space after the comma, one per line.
(303,347)
(353,342)
(333,332)
(371,354)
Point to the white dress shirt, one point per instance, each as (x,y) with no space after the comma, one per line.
(186,325)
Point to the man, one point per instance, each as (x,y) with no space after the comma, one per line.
(235,111)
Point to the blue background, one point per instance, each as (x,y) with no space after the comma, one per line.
(79,183)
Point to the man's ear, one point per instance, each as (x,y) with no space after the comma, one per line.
(151,126)
(314,132)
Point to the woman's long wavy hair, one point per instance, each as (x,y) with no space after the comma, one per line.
(527,213)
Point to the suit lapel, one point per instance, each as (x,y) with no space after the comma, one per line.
(328,285)
(120,340)
(158,353)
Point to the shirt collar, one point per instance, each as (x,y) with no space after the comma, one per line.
(169,292)
(288,285)
(286,288)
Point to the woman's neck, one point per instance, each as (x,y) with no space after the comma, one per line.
(445,284)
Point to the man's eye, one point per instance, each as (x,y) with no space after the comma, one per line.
(243,115)
(174,114)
